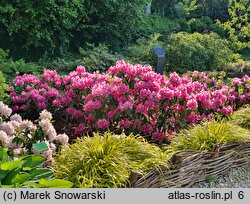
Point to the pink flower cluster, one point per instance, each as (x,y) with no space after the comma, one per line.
(13,127)
(132,98)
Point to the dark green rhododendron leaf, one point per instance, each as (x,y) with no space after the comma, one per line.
(182,123)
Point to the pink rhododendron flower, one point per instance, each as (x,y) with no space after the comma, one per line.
(102,124)
(92,105)
(158,136)
(192,104)
(142,97)
(125,106)
(237,81)
(112,113)
(227,110)
(166,93)
(79,130)
(125,124)
(147,128)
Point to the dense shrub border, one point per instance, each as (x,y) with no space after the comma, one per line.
(132,98)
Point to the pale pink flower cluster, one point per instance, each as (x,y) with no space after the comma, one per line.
(44,115)
(14,126)
(48,129)
(4,138)
(4,110)
(130,97)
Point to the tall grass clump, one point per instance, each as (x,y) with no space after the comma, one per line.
(208,134)
(106,160)
(241,117)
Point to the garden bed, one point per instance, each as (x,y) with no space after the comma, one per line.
(187,167)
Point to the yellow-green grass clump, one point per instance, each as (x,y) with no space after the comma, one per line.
(204,136)
(107,160)
(241,117)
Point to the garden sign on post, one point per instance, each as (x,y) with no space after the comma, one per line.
(160,54)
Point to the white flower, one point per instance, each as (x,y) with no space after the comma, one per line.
(8,128)
(4,137)
(48,128)
(62,138)
(16,117)
(45,115)
(53,147)
(10,144)
(48,155)
(5,110)
(28,124)
(17,152)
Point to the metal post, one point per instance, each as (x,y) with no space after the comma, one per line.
(160,54)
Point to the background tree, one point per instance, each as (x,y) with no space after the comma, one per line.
(238,26)
(165,8)
(52,28)
(38,28)
(186,7)
(215,9)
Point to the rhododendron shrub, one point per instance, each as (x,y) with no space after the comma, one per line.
(20,136)
(132,98)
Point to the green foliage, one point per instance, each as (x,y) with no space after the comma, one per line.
(238,26)
(197,25)
(98,57)
(208,134)
(27,171)
(165,8)
(12,68)
(184,25)
(185,7)
(205,24)
(142,51)
(198,52)
(32,30)
(245,54)
(215,9)
(106,161)
(101,27)
(3,88)
(242,117)
(61,65)
(154,23)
